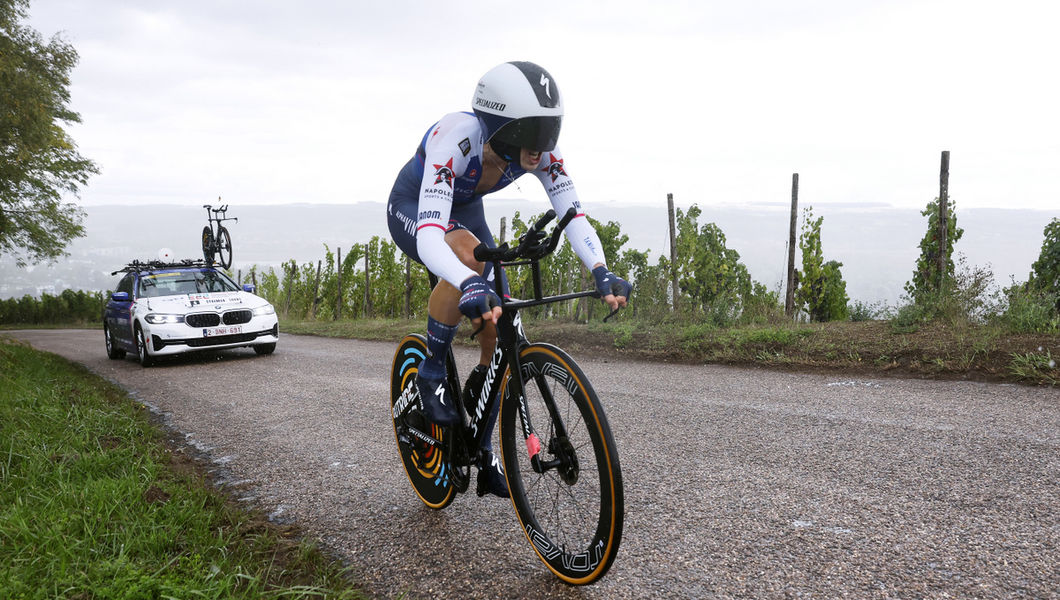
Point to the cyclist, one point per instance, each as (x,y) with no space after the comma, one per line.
(436,217)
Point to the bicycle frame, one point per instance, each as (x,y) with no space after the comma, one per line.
(511,339)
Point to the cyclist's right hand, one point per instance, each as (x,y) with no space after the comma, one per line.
(478,300)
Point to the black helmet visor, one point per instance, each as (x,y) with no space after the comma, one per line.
(533,133)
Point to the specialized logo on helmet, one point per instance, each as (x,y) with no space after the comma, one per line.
(490,104)
(555,167)
(444,173)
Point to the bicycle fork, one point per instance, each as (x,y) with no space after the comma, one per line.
(565,459)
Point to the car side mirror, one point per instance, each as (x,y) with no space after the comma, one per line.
(120,296)
(247,287)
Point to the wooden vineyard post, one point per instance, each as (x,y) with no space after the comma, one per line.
(673,248)
(789,295)
(944,185)
(338,269)
(316,295)
(408,287)
(289,285)
(367,285)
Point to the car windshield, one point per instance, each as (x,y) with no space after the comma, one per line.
(174,283)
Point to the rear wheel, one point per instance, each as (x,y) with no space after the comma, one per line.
(113,351)
(224,248)
(424,461)
(207,245)
(562,466)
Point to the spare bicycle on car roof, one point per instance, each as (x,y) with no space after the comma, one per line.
(216,241)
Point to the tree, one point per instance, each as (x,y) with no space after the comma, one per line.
(39,162)
(708,270)
(1045,272)
(821,291)
(711,275)
(924,287)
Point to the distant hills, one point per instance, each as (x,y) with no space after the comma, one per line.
(877,244)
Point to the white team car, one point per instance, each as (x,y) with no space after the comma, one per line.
(163,308)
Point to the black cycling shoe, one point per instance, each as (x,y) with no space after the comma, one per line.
(437,405)
(473,388)
(491,478)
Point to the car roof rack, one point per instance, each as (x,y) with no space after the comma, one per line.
(157,265)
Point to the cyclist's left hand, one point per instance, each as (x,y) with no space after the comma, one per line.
(478,300)
(614,290)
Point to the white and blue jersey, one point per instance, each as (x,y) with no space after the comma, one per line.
(435,193)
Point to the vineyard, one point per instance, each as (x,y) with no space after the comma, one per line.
(375,280)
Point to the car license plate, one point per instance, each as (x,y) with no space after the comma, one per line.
(215,331)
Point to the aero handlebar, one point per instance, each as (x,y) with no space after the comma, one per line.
(534,245)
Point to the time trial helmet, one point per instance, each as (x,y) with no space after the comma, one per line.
(518,105)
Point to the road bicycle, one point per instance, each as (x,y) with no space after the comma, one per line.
(215,238)
(557,450)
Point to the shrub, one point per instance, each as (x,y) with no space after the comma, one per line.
(1030,310)
(1045,272)
(864,311)
(821,291)
(908,318)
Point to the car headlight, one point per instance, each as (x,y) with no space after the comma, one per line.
(159,318)
(264,310)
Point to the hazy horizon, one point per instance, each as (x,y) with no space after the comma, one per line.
(876,243)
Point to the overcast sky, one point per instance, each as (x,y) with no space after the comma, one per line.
(718,102)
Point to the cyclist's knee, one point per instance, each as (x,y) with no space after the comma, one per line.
(443,303)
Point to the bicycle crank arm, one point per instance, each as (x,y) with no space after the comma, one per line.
(423,437)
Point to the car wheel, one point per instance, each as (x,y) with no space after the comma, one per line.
(264,349)
(112,351)
(141,348)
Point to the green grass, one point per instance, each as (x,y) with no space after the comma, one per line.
(1039,367)
(94,505)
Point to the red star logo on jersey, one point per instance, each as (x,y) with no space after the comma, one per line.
(444,173)
(555,167)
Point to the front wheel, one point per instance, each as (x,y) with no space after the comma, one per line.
(142,353)
(265,349)
(562,466)
(207,245)
(224,248)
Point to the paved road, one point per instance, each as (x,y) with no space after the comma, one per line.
(739,483)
